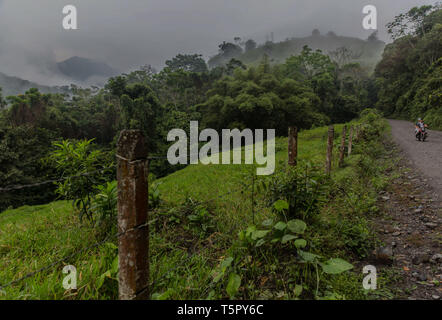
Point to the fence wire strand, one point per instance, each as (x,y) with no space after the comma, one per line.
(108,238)
(20,187)
(72,255)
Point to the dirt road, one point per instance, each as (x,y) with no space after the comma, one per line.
(410,224)
(425,156)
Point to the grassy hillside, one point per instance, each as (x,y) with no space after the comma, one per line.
(195,230)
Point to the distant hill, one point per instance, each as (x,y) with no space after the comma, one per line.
(366,52)
(13,86)
(76,69)
(82,69)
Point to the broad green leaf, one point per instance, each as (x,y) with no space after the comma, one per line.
(287,238)
(280,226)
(226,263)
(233,284)
(162,296)
(111,245)
(260,242)
(219,272)
(336,266)
(296,226)
(298,290)
(217,275)
(99,282)
(308,256)
(300,243)
(267,223)
(100,279)
(115,265)
(281,205)
(250,230)
(258,234)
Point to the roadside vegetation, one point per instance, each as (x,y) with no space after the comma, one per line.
(409,76)
(301,238)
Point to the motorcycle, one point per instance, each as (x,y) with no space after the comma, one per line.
(421,134)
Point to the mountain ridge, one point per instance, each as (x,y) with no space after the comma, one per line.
(82,69)
(366,52)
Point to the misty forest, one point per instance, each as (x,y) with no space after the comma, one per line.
(219,232)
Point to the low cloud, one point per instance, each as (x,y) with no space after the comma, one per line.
(128,34)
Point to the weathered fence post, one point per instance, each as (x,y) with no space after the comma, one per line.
(293,146)
(350,140)
(342,149)
(133,243)
(328,162)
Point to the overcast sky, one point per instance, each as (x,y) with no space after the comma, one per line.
(129,33)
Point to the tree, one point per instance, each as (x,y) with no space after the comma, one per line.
(237,40)
(260,97)
(29,108)
(117,85)
(234,64)
(144,75)
(250,45)
(2,102)
(408,76)
(309,64)
(410,23)
(187,62)
(316,33)
(140,109)
(22,149)
(228,49)
(343,56)
(373,36)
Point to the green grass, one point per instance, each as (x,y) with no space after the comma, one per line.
(182,256)
(33,237)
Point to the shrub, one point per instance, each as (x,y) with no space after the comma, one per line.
(303,187)
(433,118)
(373,125)
(356,236)
(83,168)
(104,206)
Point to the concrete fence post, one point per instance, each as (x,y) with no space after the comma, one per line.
(358,131)
(328,162)
(342,149)
(133,243)
(350,140)
(293,146)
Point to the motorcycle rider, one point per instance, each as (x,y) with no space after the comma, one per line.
(420,125)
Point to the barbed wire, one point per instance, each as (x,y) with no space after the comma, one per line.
(20,187)
(38,184)
(97,244)
(170,270)
(157,158)
(106,239)
(70,256)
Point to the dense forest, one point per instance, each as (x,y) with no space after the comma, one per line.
(343,49)
(307,90)
(409,76)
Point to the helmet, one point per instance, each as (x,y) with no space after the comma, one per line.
(419,119)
